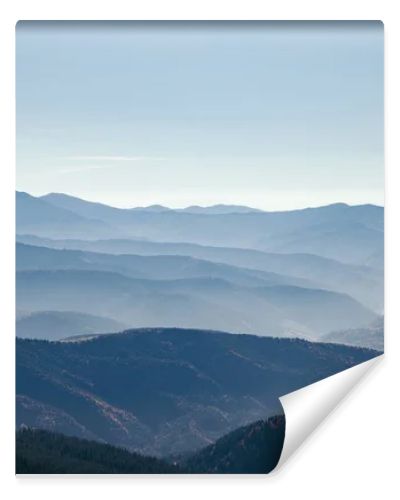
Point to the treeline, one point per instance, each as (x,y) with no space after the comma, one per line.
(253,449)
(43,452)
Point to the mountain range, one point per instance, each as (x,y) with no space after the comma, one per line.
(187,282)
(352,234)
(193,209)
(122,360)
(194,302)
(362,282)
(157,267)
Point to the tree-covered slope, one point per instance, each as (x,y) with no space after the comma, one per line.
(253,449)
(42,452)
(164,391)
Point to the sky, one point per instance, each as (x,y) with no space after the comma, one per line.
(271,115)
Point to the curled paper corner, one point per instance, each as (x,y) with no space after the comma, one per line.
(306,408)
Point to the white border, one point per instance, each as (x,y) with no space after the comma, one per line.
(349,456)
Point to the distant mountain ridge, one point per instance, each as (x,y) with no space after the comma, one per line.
(89,208)
(362,282)
(30,257)
(71,202)
(56,325)
(371,335)
(37,216)
(219,209)
(204,302)
(346,233)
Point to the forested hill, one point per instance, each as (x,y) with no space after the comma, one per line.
(166,391)
(253,449)
(43,452)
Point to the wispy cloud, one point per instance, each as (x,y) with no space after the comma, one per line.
(108,161)
(82,168)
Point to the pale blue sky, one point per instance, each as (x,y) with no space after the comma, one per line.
(272,115)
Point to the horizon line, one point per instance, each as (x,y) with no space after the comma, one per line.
(168,208)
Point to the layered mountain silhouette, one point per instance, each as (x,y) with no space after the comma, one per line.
(370,335)
(34,215)
(57,325)
(194,302)
(300,293)
(362,282)
(29,257)
(165,391)
(342,232)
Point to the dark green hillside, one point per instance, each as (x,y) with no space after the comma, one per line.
(253,449)
(43,452)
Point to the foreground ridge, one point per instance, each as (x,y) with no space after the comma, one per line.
(252,449)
